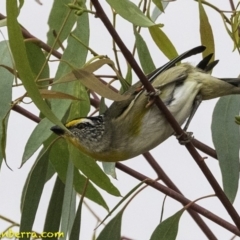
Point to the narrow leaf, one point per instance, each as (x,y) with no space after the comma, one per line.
(68,201)
(144,54)
(49,94)
(110,169)
(90,81)
(163,42)
(159,4)
(60,165)
(22,63)
(5,94)
(226,139)
(38,136)
(129,11)
(168,229)
(56,19)
(90,168)
(75,55)
(53,217)
(113,229)
(34,188)
(206,32)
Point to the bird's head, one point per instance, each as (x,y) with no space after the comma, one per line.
(84,133)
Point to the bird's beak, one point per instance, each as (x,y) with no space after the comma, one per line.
(57,130)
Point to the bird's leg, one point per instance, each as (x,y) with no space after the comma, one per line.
(151,97)
(189,136)
(197,101)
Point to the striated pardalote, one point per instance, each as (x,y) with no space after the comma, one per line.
(129,128)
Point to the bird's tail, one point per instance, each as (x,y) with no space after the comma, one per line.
(205,65)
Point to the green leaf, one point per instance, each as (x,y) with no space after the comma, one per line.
(6,82)
(69,201)
(56,19)
(34,187)
(144,54)
(53,217)
(36,60)
(75,232)
(60,164)
(22,63)
(168,229)
(79,108)
(157,12)
(90,169)
(75,54)
(38,136)
(206,32)
(226,139)
(129,11)
(91,82)
(163,42)
(110,169)
(159,4)
(113,229)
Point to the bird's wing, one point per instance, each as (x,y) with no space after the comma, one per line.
(173,62)
(119,108)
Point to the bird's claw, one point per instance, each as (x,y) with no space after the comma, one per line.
(155,93)
(151,97)
(187,138)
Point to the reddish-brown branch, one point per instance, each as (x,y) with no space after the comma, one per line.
(171,193)
(172,121)
(163,176)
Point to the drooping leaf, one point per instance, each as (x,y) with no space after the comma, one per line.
(53,217)
(168,229)
(144,54)
(113,229)
(38,136)
(157,12)
(75,55)
(5,94)
(90,168)
(159,4)
(50,94)
(163,42)
(22,63)
(225,135)
(58,14)
(110,169)
(60,165)
(90,81)
(129,11)
(69,201)
(206,32)
(34,187)
(36,60)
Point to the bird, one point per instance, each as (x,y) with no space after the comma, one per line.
(131,127)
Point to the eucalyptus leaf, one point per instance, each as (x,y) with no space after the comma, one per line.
(168,229)
(53,217)
(206,32)
(34,187)
(144,54)
(163,42)
(226,139)
(129,11)
(90,169)
(22,62)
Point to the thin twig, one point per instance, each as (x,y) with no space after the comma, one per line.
(160,187)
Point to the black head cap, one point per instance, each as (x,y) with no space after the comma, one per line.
(57,130)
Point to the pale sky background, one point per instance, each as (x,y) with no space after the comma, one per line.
(143,214)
